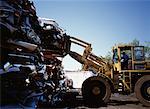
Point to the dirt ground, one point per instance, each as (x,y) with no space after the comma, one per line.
(121,102)
(116,102)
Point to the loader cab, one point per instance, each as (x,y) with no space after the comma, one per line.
(135,55)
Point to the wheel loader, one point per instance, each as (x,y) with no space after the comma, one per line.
(111,77)
(114,77)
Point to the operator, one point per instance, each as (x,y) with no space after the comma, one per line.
(124,60)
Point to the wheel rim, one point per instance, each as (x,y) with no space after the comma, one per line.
(96,90)
(148,90)
(145,90)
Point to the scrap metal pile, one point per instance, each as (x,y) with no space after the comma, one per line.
(30,70)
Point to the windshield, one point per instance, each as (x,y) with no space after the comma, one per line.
(139,53)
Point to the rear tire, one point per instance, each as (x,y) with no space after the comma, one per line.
(96,91)
(142,90)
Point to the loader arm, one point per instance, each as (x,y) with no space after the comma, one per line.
(89,60)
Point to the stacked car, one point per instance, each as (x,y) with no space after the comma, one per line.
(30,71)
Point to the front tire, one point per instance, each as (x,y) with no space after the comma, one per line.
(96,91)
(142,90)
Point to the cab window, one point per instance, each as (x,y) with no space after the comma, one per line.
(115,56)
(138,53)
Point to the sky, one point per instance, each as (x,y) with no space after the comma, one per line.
(103,23)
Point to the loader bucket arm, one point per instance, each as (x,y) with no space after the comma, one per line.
(89,60)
